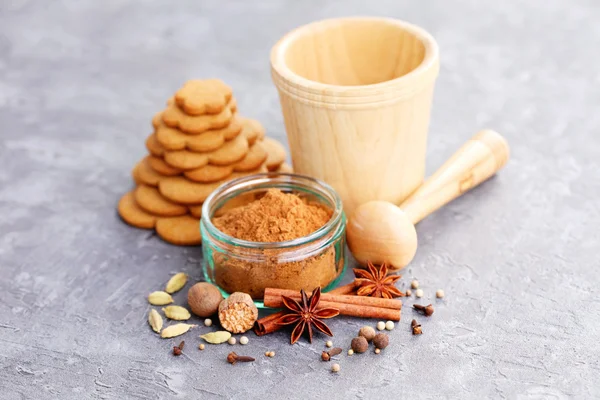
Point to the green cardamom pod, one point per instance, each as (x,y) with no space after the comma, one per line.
(216,337)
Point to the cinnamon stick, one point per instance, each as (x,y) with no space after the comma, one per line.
(273,295)
(346,289)
(267,324)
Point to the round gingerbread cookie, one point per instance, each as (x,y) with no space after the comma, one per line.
(196,210)
(174,139)
(183,191)
(276,153)
(174,117)
(209,173)
(250,129)
(230,152)
(134,215)
(206,96)
(186,160)
(183,231)
(255,157)
(160,166)
(154,147)
(150,200)
(143,173)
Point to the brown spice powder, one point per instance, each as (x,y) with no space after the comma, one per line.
(275,217)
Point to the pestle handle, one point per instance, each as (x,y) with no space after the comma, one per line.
(477,160)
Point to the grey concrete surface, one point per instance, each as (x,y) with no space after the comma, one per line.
(517,257)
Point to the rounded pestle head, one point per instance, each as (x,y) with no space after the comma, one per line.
(379,232)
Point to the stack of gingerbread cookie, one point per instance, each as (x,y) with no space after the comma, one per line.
(199,142)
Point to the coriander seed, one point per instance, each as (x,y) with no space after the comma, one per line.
(231,340)
(335,367)
(201,346)
(350,352)
(208,322)
(377,350)
(419,293)
(244,340)
(414,284)
(329,343)
(439,293)
(408,292)
(389,325)
(380,325)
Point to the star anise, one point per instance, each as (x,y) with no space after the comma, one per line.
(376,282)
(306,315)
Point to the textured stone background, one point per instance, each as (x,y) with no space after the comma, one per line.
(518,257)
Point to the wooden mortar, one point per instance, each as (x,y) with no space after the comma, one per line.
(356,95)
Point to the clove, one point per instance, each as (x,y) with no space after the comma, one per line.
(416,327)
(177,349)
(232,358)
(426,310)
(326,355)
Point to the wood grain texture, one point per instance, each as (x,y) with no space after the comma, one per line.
(477,160)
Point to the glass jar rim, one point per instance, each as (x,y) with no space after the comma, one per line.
(265,178)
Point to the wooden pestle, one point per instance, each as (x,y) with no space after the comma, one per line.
(379,231)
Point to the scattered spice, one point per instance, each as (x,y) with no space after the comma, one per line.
(270,354)
(408,292)
(201,346)
(376,282)
(416,327)
(155,320)
(177,313)
(380,325)
(326,355)
(419,293)
(274,217)
(231,341)
(335,368)
(175,330)
(377,350)
(426,310)
(306,315)
(178,349)
(208,322)
(389,325)
(350,352)
(232,358)
(204,299)
(159,298)
(217,337)
(381,341)
(414,284)
(367,332)
(176,283)
(237,313)
(244,340)
(439,294)
(329,343)
(359,344)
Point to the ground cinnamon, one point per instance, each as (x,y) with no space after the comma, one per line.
(274,217)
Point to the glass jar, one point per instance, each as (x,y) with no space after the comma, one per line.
(236,265)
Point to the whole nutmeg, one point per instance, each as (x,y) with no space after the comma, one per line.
(381,340)
(367,332)
(204,299)
(359,344)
